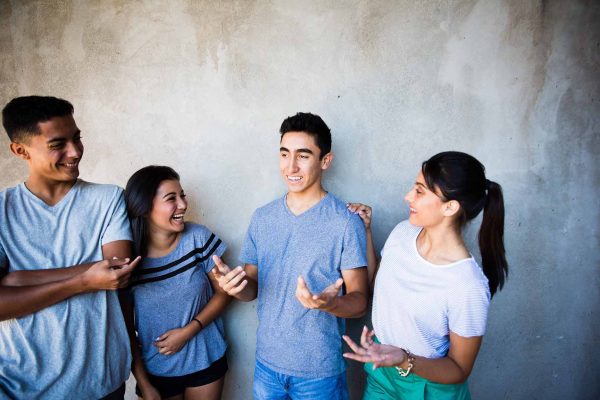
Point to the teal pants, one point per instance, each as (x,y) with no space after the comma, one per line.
(386,384)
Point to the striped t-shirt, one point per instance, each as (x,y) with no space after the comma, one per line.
(416,303)
(168,292)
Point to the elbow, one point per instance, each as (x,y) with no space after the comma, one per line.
(11,279)
(362,307)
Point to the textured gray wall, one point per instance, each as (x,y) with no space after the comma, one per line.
(203,86)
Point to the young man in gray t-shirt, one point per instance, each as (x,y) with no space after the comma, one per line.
(64,245)
(304,243)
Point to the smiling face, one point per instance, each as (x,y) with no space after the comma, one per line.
(300,163)
(427,208)
(168,208)
(54,154)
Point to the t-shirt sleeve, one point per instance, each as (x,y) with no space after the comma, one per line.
(118,225)
(211,244)
(354,249)
(468,309)
(249,254)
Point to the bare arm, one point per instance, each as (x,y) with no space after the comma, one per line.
(454,368)
(173,340)
(138,369)
(241,283)
(18,301)
(351,305)
(366,214)
(118,249)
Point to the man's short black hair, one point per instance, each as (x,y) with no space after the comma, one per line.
(311,124)
(22,115)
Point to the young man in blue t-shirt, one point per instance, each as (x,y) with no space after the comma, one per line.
(300,252)
(64,245)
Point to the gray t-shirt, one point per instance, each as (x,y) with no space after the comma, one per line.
(168,292)
(317,244)
(77,348)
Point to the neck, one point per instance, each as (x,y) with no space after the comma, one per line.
(300,202)
(50,192)
(441,244)
(161,243)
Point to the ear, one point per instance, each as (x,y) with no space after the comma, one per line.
(19,150)
(451,208)
(326,161)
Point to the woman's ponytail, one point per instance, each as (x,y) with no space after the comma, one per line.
(461,177)
(491,238)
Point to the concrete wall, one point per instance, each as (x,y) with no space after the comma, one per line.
(203,86)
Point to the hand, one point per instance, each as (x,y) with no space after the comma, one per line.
(364,212)
(324,301)
(230,280)
(109,274)
(172,341)
(150,393)
(381,355)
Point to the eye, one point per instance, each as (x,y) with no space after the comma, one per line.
(56,146)
(303,156)
(77,139)
(183,195)
(283,155)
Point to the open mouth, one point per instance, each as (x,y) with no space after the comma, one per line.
(294,179)
(70,165)
(177,217)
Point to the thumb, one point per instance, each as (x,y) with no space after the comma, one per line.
(338,284)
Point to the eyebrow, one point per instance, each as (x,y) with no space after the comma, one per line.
(169,194)
(420,184)
(57,140)
(308,151)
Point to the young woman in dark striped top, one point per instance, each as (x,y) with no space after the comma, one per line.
(174,302)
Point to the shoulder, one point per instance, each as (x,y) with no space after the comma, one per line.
(338,208)
(470,278)
(269,208)
(104,190)
(405,230)
(9,193)
(196,230)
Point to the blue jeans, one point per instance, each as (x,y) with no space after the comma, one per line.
(271,385)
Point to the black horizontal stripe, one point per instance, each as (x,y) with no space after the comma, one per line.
(180,270)
(192,253)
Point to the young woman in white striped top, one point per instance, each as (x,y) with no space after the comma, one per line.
(431,297)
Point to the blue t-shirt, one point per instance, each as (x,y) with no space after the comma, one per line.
(168,292)
(317,244)
(77,348)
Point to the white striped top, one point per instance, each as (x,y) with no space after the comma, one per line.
(416,303)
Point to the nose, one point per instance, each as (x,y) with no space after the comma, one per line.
(74,150)
(408,197)
(292,164)
(182,203)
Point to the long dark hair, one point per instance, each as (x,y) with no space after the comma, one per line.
(139,193)
(461,177)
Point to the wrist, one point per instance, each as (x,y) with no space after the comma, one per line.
(405,367)
(195,326)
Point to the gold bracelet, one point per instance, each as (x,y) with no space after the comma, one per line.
(404,372)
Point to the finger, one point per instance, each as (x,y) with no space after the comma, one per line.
(358,357)
(355,348)
(364,342)
(117,262)
(215,271)
(238,289)
(302,289)
(338,284)
(235,281)
(233,273)
(220,264)
(352,207)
